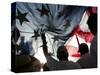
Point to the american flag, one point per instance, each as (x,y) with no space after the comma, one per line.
(56,21)
(83,34)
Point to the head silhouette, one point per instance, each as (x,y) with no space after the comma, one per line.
(83,48)
(62,53)
(92,23)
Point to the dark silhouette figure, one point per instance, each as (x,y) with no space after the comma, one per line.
(92,23)
(26,63)
(62,54)
(90,60)
(83,49)
(63,63)
(85,60)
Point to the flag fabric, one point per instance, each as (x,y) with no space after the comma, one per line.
(84,36)
(56,21)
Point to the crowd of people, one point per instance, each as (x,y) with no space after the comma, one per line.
(88,59)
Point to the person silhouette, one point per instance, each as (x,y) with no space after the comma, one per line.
(85,60)
(92,23)
(63,63)
(27,63)
(89,60)
(83,49)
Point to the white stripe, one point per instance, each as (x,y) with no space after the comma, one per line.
(83,23)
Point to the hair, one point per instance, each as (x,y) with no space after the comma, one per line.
(92,23)
(26,63)
(62,53)
(83,48)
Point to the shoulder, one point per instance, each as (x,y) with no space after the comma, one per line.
(73,65)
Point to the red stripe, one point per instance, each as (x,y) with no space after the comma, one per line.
(76,55)
(87,36)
